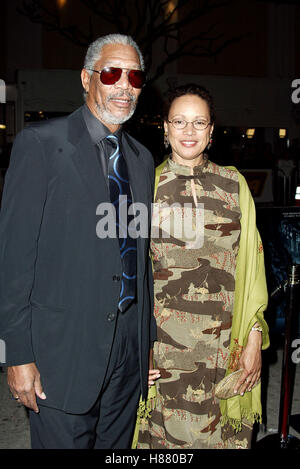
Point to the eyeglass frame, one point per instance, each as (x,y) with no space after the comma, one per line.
(121,68)
(189,122)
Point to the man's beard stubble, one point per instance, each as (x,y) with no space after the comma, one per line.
(107,116)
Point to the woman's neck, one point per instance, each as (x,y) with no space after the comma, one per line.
(191,163)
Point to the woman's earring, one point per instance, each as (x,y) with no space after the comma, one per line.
(210,142)
(166,140)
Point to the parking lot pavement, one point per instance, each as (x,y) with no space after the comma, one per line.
(14,425)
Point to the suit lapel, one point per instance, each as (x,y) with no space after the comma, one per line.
(141,190)
(86,159)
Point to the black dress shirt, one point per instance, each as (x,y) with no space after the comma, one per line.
(98,132)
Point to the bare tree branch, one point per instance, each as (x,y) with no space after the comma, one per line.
(195,50)
(50,20)
(147,21)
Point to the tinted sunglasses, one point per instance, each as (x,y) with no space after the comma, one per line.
(110,76)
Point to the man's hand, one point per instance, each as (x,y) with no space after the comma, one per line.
(24,383)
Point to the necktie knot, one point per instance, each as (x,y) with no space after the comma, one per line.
(113,139)
(114,144)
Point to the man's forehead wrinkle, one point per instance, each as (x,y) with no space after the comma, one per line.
(119,54)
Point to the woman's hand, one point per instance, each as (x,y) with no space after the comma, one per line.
(251,362)
(152,374)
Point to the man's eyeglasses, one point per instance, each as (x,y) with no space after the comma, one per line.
(110,76)
(198,124)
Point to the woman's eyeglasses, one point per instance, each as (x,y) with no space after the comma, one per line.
(198,124)
(110,76)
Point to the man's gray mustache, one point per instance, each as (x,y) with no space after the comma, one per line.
(122,95)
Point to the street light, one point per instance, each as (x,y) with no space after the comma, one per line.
(61,3)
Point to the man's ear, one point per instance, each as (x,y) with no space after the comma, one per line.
(85,79)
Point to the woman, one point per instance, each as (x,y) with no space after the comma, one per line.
(209,288)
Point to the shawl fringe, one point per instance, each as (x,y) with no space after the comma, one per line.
(145,408)
(143,414)
(236,424)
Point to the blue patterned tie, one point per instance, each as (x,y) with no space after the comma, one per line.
(119,186)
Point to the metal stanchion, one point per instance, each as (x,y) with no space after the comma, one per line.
(282,439)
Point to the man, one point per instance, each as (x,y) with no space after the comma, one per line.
(77,335)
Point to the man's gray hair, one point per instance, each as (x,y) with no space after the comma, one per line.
(94,50)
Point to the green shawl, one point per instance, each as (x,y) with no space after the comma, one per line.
(250,301)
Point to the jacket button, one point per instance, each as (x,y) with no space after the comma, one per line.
(111,317)
(116,278)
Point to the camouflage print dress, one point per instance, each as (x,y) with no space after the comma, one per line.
(194,259)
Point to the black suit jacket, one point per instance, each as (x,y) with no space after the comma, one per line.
(58,288)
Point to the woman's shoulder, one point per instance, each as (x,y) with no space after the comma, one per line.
(161,167)
(230,172)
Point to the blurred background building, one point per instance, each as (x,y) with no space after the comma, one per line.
(244,51)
